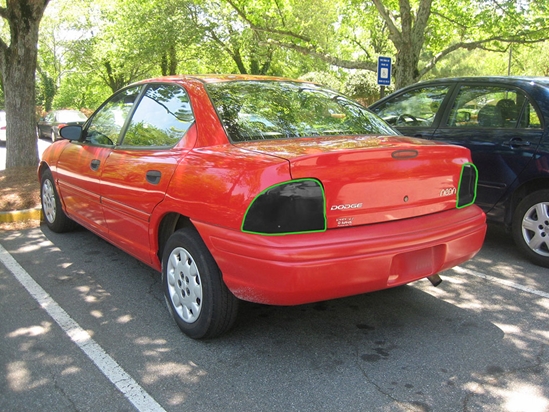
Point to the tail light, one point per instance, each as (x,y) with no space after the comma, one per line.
(298,206)
(467,189)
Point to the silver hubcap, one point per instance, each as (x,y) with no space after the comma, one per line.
(535,228)
(184,285)
(48,200)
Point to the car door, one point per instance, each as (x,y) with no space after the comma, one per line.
(81,163)
(416,111)
(138,171)
(501,127)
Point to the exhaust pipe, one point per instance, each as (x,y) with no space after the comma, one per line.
(435,279)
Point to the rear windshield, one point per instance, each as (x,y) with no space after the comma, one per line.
(259,110)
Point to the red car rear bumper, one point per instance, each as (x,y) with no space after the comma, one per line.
(303,268)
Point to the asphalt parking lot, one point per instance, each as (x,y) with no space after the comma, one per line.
(89,330)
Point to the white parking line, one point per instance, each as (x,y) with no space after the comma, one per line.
(462,271)
(107,365)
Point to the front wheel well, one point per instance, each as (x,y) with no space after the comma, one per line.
(43,167)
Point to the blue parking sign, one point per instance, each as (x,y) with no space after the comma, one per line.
(384,71)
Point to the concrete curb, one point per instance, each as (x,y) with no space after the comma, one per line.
(21,215)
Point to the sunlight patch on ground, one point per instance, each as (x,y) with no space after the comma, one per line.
(19,377)
(124,319)
(526,398)
(35,330)
(186,373)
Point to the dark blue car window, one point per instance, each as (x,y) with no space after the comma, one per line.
(415,108)
(492,107)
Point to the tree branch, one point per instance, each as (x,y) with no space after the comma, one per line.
(347,64)
(393,29)
(453,21)
(244,17)
(520,39)
(418,31)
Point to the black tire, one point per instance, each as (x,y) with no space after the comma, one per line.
(198,300)
(531,227)
(55,217)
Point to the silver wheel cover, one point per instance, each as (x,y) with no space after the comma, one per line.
(48,201)
(184,285)
(535,228)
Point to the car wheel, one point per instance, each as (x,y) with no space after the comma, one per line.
(53,136)
(54,215)
(198,300)
(531,227)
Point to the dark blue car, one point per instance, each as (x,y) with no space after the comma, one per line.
(504,121)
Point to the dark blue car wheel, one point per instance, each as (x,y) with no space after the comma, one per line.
(531,227)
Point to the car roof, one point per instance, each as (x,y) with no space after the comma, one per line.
(542,81)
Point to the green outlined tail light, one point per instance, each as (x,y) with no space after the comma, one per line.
(298,206)
(467,189)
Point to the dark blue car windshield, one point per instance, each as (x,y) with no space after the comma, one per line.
(258,110)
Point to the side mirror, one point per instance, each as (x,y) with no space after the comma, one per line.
(71,132)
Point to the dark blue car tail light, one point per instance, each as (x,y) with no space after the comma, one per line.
(298,206)
(467,189)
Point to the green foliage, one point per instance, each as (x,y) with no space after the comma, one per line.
(89,49)
(362,86)
(81,92)
(327,79)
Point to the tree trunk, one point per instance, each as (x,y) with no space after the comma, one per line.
(408,39)
(169,62)
(406,67)
(18,66)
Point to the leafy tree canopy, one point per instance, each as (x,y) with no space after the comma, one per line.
(115,42)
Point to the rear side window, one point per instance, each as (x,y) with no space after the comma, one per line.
(161,119)
(492,107)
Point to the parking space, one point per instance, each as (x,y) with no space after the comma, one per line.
(477,342)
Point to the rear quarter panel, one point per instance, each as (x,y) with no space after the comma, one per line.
(217,184)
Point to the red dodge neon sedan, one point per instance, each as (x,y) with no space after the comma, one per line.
(263,189)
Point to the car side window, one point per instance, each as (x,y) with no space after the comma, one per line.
(530,118)
(492,107)
(417,107)
(161,119)
(107,123)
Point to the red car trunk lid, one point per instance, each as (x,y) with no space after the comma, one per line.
(369,179)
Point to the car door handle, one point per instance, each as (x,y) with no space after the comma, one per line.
(517,142)
(153,176)
(95,164)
